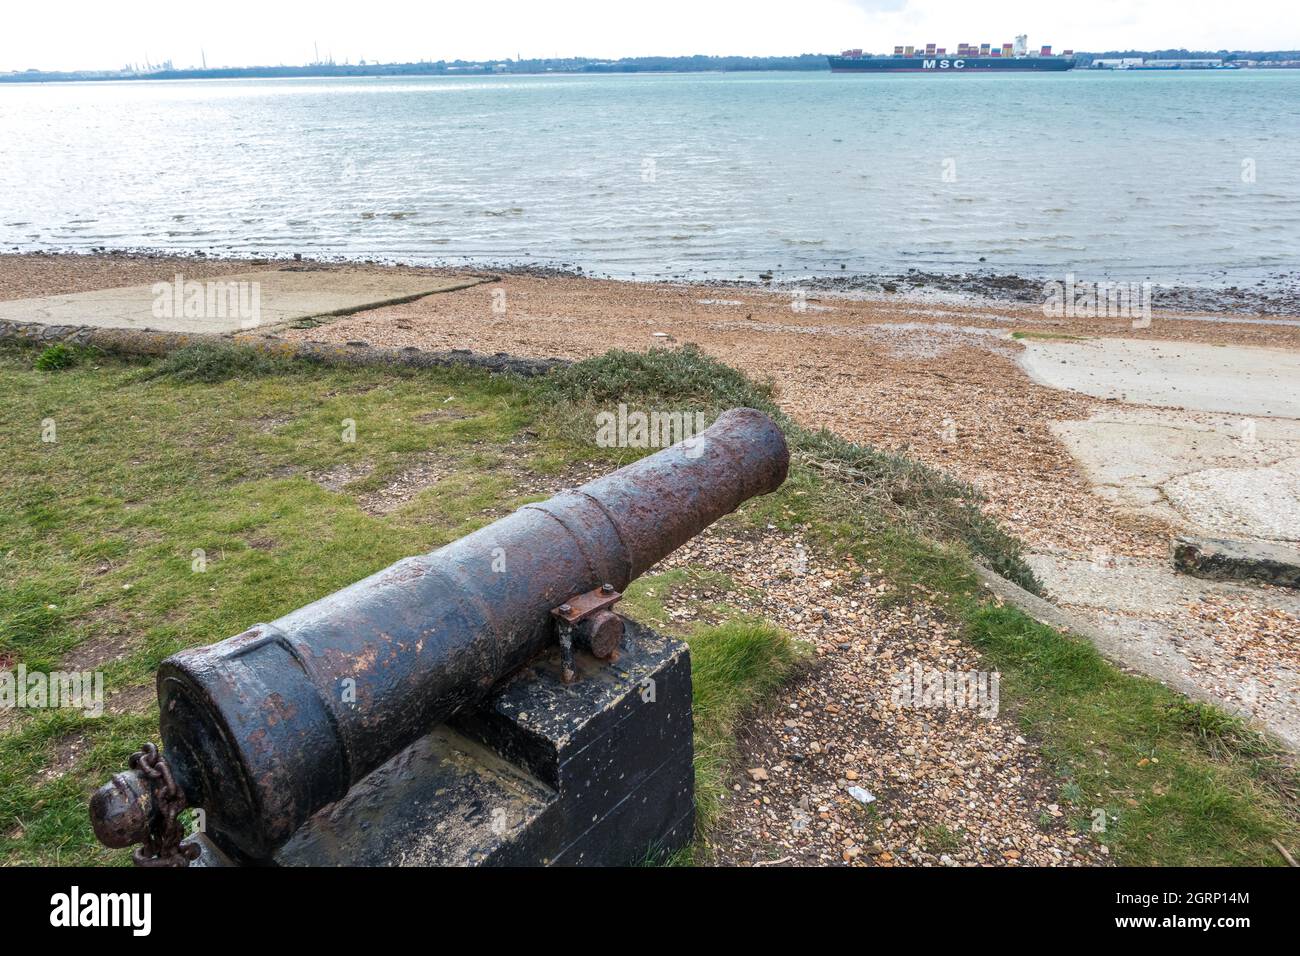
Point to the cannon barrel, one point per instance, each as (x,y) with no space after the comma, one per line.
(265,728)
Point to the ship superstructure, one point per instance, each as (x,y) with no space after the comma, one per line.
(1011,57)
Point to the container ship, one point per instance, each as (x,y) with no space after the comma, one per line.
(969,58)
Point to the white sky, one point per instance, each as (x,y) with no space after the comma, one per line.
(93,34)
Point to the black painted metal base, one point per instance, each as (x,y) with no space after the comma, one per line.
(596,772)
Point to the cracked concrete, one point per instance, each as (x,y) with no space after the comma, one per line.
(1259,503)
(1222,475)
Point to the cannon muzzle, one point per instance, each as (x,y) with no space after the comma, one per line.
(263,729)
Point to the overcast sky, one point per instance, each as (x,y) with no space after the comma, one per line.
(93,34)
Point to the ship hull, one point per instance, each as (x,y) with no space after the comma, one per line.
(949,64)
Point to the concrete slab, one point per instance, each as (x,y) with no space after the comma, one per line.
(1198,472)
(240,302)
(1216,559)
(1261,503)
(1212,378)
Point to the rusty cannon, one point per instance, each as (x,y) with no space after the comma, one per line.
(362,706)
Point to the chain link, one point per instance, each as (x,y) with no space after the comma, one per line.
(163,846)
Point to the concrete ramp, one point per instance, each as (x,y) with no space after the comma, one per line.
(1236,380)
(240,302)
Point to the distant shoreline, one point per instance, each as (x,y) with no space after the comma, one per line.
(806,63)
(572,66)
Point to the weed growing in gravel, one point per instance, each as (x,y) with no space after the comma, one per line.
(940,839)
(60,355)
(211,363)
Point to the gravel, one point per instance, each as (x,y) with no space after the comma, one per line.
(836,771)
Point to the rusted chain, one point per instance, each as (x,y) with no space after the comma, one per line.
(166,833)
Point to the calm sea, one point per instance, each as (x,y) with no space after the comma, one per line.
(1176,176)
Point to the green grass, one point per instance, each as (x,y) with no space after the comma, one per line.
(1180,784)
(201,455)
(220,363)
(647,597)
(55,357)
(735,669)
(939,839)
(218,452)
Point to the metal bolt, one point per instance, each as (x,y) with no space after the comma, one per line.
(603,632)
(566,608)
(607,588)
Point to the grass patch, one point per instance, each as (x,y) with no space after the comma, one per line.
(940,839)
(1179,783)
(702,590)
(60,355)
(203,456)
(212,363)
(735,668)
